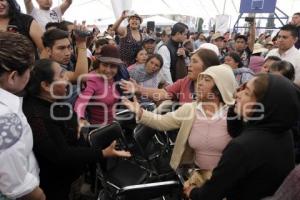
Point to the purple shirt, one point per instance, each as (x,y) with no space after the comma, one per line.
(98,99)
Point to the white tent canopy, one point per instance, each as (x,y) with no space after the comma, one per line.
(159,21)
(92,10)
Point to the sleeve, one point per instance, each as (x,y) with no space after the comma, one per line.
(165,54)
(84,97)
(51,144)
(225,176)
(33,12)
(58,12)
(247,76)
(169,121)
(15,178)
(234,123)
(174,89)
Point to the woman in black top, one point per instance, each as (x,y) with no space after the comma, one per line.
(61,156)
(13,20)
(255,163)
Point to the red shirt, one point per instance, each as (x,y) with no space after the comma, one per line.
(181,90)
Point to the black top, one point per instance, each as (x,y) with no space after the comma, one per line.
(22,23)
(255,163)
(173,48)
(61,157)
(297,44)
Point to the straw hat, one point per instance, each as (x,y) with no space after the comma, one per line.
(258,48)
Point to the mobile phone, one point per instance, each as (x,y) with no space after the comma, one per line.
(12,29)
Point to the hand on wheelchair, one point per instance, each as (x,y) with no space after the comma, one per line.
(133,106)
(111,151)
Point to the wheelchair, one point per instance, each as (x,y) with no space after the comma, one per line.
(139,177)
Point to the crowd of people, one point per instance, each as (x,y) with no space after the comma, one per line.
(238,97)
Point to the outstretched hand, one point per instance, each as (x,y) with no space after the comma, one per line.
(129,86)
(112,152)
(133,106)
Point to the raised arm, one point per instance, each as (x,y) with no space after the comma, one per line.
(65,5)
(82,61)
(36,34)
(29,6)
(251,40)
(152,93)
(116,26)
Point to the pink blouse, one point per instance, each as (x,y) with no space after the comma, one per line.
(97,100)
(208,138)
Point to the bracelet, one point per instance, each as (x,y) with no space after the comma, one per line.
(83,48)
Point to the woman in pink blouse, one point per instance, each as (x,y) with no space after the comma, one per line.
(95,104)
(202,125)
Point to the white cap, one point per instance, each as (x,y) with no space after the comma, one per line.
(210,46)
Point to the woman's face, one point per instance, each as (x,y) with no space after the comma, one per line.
(152,66)
(204,88)
(134,23)
(59,85)
(195,67)
(245,99)
(141,57)
(109,70)
(230,61)
(4,8)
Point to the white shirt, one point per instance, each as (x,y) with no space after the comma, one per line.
(217,115)
(45,16)
(165,72)
(19,171)
(292,55)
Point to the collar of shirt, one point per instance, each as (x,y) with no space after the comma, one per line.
(289,51)
(219,114)
(12,101)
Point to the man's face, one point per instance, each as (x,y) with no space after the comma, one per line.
(181,37)
(296,20)
(61,51)
(44,4)
(149,46)
(240,45)
(285,40)
(111,32)
(219,42)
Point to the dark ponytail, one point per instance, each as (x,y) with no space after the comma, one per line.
(42,71)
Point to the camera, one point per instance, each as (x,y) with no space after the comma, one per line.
(81,33)
(249,19)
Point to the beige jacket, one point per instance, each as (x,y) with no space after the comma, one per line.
(181,119)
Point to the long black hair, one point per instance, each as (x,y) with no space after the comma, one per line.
(236,57)
(14,8)
(42,71)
